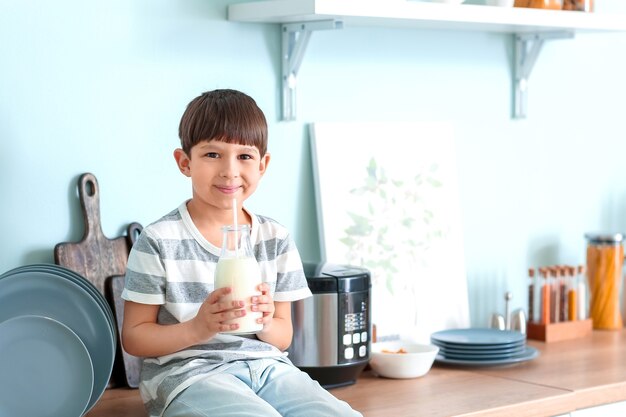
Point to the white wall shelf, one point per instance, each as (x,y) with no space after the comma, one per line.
(530,27)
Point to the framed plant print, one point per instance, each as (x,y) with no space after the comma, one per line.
(388,200)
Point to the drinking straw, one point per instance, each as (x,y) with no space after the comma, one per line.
(235,223)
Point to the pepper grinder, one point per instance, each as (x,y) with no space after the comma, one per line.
(508,296)
(515,321)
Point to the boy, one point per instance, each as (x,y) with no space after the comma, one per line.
(173,316)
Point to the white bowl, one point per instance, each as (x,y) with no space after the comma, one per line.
(416,362)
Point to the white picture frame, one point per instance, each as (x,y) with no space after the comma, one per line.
(388,200)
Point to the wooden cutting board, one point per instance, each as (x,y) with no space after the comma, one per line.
(127,367)
(102,261)
(95,257)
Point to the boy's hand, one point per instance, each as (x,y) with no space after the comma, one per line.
(214,312)
(263,303)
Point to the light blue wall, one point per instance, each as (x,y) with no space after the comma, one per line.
(100,86)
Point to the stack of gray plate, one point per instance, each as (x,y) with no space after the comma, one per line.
(482,347)
(57,342)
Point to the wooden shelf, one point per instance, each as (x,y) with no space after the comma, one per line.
(416,14)
(530,28)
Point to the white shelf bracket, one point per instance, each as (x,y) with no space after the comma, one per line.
(295,39)
(527,48)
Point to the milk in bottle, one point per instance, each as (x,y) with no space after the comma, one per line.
(237,268)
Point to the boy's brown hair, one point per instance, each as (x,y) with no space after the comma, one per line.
(225,115)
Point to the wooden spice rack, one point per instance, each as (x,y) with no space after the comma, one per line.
(555,332)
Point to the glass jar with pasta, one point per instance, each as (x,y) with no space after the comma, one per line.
(605,259)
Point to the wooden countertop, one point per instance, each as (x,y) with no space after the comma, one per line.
(567,376)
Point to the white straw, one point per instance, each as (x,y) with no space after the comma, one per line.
(235,223)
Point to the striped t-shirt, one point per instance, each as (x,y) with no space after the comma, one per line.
(173,265)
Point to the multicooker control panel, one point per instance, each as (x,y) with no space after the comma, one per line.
(354,340)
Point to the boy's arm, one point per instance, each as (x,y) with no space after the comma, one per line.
(278,331)
(143,336)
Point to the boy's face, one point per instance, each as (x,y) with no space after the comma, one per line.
(221,171)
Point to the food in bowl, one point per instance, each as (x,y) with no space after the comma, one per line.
(402,359)
(401,350)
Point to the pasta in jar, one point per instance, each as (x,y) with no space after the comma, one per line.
(605,258)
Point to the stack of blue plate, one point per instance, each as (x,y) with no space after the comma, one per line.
(57,342)
(482,347)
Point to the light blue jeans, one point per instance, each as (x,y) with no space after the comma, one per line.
(260,387)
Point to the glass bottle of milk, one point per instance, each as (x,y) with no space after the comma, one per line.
(237,268)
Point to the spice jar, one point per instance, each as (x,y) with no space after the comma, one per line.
(579,5)
(540,4)
(605,258)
